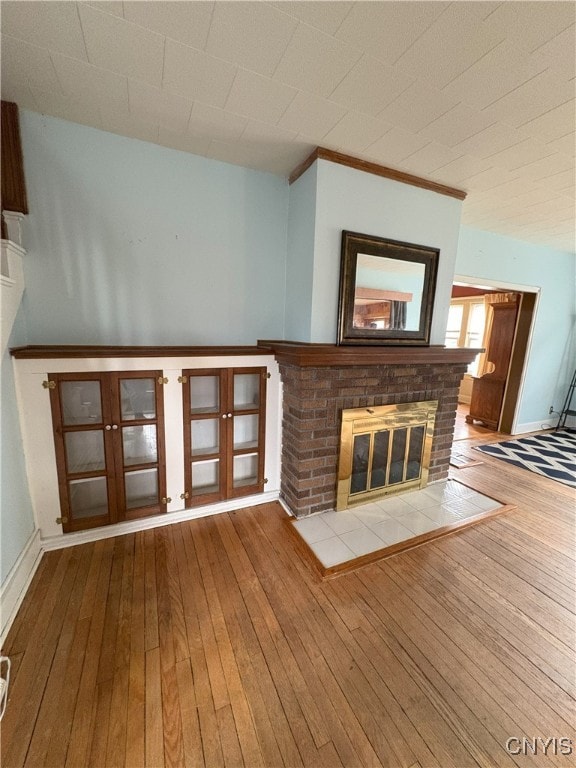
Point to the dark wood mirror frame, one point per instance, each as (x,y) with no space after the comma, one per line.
(354,299)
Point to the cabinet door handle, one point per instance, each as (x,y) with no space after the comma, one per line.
(107,427)
(224,415)
(229,415)
(114,426)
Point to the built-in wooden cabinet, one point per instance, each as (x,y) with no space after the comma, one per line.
(127,438)
(224,433)
(109,442)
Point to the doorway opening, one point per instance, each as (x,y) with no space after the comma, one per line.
(499,318)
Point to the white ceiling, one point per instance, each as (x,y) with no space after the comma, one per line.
(475,95)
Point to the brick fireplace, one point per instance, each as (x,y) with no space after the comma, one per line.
(321,380)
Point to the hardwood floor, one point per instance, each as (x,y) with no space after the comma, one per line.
(213,643)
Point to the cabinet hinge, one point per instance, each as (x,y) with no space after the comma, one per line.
(162,380)
(182,379)
(49,384)
(166,500)
(61,520)
(185,495)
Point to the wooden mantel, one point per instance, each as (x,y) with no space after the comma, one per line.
(307,355)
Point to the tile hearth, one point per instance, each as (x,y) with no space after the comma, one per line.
(339,538)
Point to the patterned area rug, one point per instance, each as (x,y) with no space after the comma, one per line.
(552,454)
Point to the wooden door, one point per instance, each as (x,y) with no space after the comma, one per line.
(104,474)
(488,390)
(224,433)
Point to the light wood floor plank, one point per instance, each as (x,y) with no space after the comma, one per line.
(214,643)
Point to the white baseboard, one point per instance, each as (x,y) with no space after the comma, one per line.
(16,584)
(535,426)
(145,523)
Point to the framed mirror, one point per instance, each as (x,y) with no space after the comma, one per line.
(386,291)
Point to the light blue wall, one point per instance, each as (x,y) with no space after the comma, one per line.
(300,257)
(362,202)
(131,243)
(16,516)
(552,358)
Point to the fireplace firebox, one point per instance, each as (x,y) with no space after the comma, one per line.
(384,450)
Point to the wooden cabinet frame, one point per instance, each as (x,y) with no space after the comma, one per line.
(110,425)
(226,412)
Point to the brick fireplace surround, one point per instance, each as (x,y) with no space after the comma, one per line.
(320,380)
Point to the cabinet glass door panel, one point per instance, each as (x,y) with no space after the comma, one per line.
(204,394)
(81,402)
(245,432)
(245,470)
(205,477)
(88,497)
(246,391)
(141,488)
(139,444)
(205,436)
(84,451)
(137,399)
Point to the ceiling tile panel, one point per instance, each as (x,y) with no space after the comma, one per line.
(325,15)
(548,166)
(53,25)
(452,44)
(80,78)
(159,107)
(356,131)
(262,134)
(311,115)
(496,138)
(395,145)
(520,154)
(121,46)
(429,158)
(531,24)
(252,35)
(500,71)
(457,125)
(418,106)
(125,125)
(195,75)
(185,22)
(370,86)
(184,143)
(530,100)
(315,62)
(553,124)
(206,121)
(565,144)
(25,65)
(386,30)
(84,111)
(259,97)
(115,7)
(461,169)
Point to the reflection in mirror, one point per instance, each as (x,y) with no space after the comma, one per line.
(387,291)
(381,298)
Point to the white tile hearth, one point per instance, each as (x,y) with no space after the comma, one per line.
(336,538)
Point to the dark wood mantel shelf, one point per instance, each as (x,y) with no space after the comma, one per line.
(330,355)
